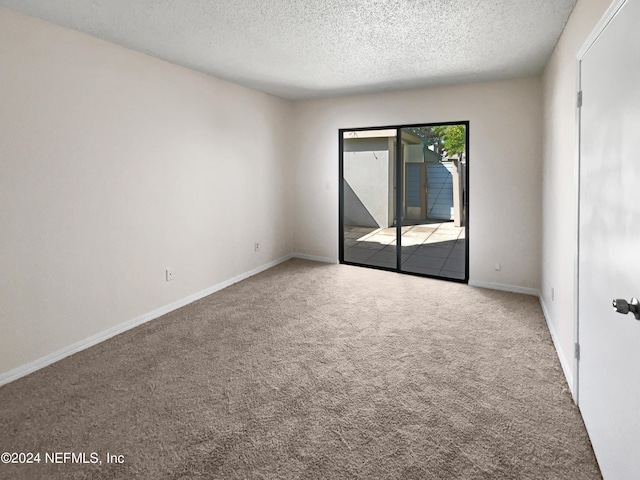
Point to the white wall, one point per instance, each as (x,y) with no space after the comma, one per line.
(414,154)
(504,164)
(367,173)
(558,191)
(115,165)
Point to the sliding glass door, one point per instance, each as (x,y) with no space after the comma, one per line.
(403,199)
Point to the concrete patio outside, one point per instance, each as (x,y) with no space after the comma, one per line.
(430,248)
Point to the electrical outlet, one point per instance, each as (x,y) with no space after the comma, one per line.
(497,267)
(256,246)
(169,274)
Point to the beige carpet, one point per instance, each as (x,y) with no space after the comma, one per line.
(312,371)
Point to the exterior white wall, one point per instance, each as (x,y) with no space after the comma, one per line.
(368,175)
(559,187)
(504,164)
(414,154)
(115,165)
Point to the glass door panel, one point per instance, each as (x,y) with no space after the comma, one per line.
(433,240)
(368,205)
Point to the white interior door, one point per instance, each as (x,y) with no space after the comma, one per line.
(609,240)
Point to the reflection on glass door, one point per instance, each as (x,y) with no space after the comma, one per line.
(403,199)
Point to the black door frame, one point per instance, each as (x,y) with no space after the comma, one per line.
(399,194)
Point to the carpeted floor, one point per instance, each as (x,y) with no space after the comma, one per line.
(311,371)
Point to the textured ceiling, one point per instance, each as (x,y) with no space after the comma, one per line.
(316,48)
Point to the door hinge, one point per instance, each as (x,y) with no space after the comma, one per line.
(580,99)
(576,352)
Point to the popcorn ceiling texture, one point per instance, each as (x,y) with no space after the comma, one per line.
(318,48)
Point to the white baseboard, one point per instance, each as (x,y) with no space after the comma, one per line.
(505,288)
(563,362)
(315,258)
(42,362)
(532,291)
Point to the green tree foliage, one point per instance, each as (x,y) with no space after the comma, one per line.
(447,139)
(454,138)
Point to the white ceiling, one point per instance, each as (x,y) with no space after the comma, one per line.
(317,48)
